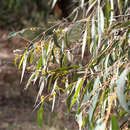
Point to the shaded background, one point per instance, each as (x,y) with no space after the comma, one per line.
(16,105)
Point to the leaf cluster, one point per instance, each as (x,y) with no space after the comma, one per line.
(88,60)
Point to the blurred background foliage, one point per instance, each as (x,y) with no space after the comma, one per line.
(19,13)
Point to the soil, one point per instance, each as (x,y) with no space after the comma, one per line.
(16,105)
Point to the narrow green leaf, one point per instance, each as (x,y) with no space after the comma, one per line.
(53,56)
(66,40)
(106,63)
(114,123)
(65,68)
(40,116)
(15,60)
(112,12)
(89,34)
(44,58)
(56,40)
(107,12)
(84,94)
(22,31)
(12,34)
(54,94)
(100,25)
(21,61)
(30,79)
(64,59)
(87,97)
(40,90)
(87,123)
(93,105)
(77,90)
(69,99)
(36,76)
(50,82)
(40,63)
(122,113)
(96,84)
(93,35)
(24,65)
(79,120)
(48,48)
(84,43)
(31,58)
(101,20)
(90,7)
(120,90)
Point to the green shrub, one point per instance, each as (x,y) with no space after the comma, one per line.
(88,60)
